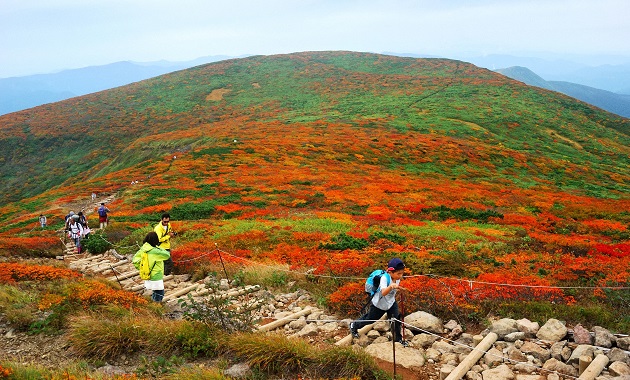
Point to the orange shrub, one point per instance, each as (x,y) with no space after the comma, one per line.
(14,272)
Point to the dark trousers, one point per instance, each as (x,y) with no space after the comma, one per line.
(375,314)
(157,295)
(168,265)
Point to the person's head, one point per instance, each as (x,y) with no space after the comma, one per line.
(80,213)
(152,238)
(71,213)
(166,218)
(396,268)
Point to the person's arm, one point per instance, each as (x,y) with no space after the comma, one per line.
(160,254)
(386,289)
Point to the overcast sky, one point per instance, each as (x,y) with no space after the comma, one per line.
(43,36)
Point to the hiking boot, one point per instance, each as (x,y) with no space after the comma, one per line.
(353,331)
(405,343)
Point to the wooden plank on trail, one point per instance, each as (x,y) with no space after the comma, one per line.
(180,292)
(281,322)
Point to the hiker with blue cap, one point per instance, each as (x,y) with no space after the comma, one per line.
(384,301)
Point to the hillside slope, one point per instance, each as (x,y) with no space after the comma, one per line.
(445,117)
(606,100)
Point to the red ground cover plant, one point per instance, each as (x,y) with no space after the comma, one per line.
(16,272)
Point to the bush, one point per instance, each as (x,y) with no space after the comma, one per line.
(344,241)
(97,243)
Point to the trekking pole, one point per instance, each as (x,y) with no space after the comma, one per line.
(221,258)
(402,313)
(393,330)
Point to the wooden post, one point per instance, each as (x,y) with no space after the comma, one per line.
(595,368)
(473,357)
(281,322)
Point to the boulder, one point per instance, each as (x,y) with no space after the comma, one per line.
(513,337)
(553,331)
(309,330)
(528,327)
(503,327)
(329,327)
(603,337)
(624,343)
(582,335)
(298,324)
(381,326)
(425,321)
(530,348)
(525,367)
(450,325)
(530,377)
(406,357)
(554,365)
(423,340)
(581,350)
(618,355)
(238,371)
(560,351)
(493,357)
(433,354)
(472,375)
(619,369)
(502,372)
(444,347)
(516,355)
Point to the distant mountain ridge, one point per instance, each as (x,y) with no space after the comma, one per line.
(18,93)
(606,100)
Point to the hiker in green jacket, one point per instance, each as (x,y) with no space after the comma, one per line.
(157,256)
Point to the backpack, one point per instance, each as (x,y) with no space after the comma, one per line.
(372,283)
(145,271)
(101,211)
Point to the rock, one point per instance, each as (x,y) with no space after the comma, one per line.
(450,359)
(425,321)
(380,326)
(433,354)
(553,331)
(619,369)
(530,348)
(314,316)
(309,330)
(381,339)
(297,324)
(618,355)
(238,371)
(553,376)
(555,365)
(502,372)
(493,357)
(423,340)
(446,370)
(503,327)
(528,327)
(603,337)
(373,334)
(455,332)
(525,367)
(513,337)
(450,325)
(224,284)
(329,327)
(581,350)
(530,377)
(560,351)
(624,343)
(582,335)
(406,357)
(516,355)
(444,347)
(472,375)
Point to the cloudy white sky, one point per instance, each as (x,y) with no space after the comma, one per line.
(43,36)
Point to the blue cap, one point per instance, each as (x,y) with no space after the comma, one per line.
(395,264)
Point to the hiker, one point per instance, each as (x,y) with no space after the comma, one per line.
(165,233)
(384,301)
(83,222)
(42,220)
(102,215)
(67,220)
(75,230)
(93,196)
(156,263)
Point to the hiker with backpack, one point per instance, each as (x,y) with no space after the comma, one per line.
(165,232)
(42,220)
(102,215)
(83,222)
(149,260)
(75,231)
(382,286)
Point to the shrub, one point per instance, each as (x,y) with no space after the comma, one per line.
(344,241)
(96,244)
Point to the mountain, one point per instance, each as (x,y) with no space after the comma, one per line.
(19,93)
(610,77)
(455,114)
(609,101)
